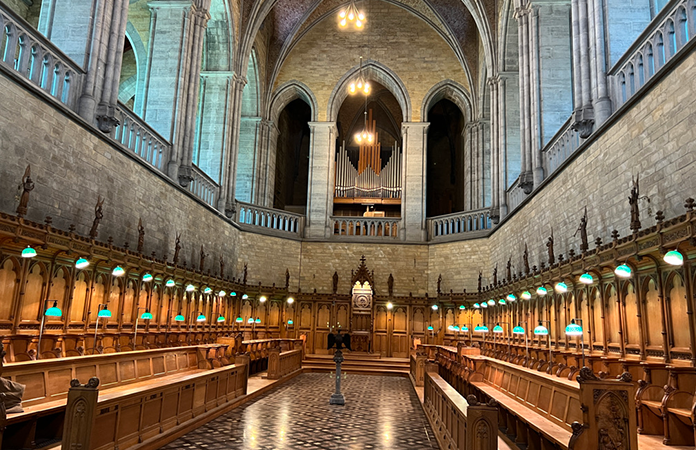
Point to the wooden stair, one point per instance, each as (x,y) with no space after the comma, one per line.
(361,364)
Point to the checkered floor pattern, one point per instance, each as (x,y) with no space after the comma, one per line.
(380,413)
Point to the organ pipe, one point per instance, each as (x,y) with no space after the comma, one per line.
(368,183)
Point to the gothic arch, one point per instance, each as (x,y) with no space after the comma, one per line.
(126,91)
(372,70)
(286,93)
(450,90)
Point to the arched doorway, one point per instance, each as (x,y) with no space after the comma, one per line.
(292,157)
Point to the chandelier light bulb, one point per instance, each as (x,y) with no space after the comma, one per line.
(352,88)
(358,138)
(343,22)
(358,24)
(342,15)
(361,16)
(351,16)
(360,85)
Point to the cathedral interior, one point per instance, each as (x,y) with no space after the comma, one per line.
(491,198)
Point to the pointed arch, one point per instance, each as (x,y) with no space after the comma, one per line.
(452,91)
(286,93)
(372,70)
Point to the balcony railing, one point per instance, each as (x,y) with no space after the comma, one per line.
(269,218)
(459,223)
(560,147)
(515,195)
(137,136)
(204,187)
(368,227)
(28,52)
(669,31)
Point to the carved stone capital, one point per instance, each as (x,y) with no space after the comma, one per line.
(185,175)
(583,122)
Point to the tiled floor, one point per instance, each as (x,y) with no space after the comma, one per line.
(380,413)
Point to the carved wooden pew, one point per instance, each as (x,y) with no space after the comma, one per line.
(542,412)
(281,364)
(459,423)
(47,383)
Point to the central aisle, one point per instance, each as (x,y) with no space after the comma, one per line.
(381,412)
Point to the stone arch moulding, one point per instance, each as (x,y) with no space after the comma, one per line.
(289,91)
(450,90)
(140,64)
(372,70)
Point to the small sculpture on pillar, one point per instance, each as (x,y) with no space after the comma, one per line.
(202,262)
(508,269)
(439,285)
(177,248)
(98,216)
(222,267)
(582,229)
(480,279)
(339,341)
(525,259)
(141,235)
(633,202)
(246,272)
(549,249)
(26,186)
(335,282)
(495,275)
(390,285)
(287,279)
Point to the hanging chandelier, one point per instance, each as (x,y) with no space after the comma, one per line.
(351,14)
(365,134)
(361,84)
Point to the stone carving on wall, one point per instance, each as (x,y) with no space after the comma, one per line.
(141,235)
(177,248)
(633,202)
(98,216)
(439,285)
(287,278)
(549,249)
(390,285)
(495,275)
(202,262)
(480,277)
(508,269)
(222,266)
(525,259)
(26,186)
(335,282)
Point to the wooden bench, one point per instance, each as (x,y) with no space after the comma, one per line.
(47,383)
(257,349)
(458,423)
(281,364)
(542,411)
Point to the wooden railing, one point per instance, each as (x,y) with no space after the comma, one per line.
(458,423)
(204,187)
(28,52)
(269,218)
(137,136)
(281,364)
(668,33)
(560,147)
(459,223)
(368,227)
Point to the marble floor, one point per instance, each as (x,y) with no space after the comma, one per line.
(381,412)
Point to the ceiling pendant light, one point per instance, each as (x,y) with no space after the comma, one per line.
(54,311)
(674,258)
(623,271)
(586,278)
(526,295)
(179,317)
(221,318)
(561,288)
(541,291)
(361,84)
(351,14)
(118,271)
(28,252)
(81,263)
(200,318)
(518,329)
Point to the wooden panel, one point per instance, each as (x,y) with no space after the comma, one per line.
(84,373)
(126,370)
(59,382)
(170,362)
(158,365)
(108,374)
(544,401)
(35,388)
(104,431)
(143,368)
(558,405)
(128,423)
(7,288)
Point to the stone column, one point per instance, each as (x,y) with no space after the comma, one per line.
(264,172)
(173,77)
(322,148)
(227,184)
(212,144)
(92,34)
(583,114)
(413,182)
(601,101)
(247,158)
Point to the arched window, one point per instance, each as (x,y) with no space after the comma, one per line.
(683,27)
(622,83)
(651,60)
(660,50)
(672,36)
(631,80)
(641,71)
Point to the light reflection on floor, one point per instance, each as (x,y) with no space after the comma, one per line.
(380,413)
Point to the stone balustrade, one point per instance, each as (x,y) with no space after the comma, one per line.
(27,52)
(203,187)
(666,35)
(560,147)
(366,227)
(459,223)
(137,136)
(259,217)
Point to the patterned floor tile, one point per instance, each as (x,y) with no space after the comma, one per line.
(380,413)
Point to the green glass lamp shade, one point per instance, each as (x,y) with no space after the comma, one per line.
(465,329)
(200,318)
(170,283)
(435,307)
(28,252)
(484,305)
(573,329)
(462,307)
(541,331)
(498,329)
(586,278)
(257,320)
(221,319)
(190,288)
(451,327)
(511,297)
(674,258)
(518,330)
(54,311)
(239,320)
(251,320)
(118,271)
(244,297)
(430,328)
(491,302)
(623,271)
(81,263)
(290,322)
(526,295)
(179,318)
(233,294)
(541,290)
(477,306)
(456,328)
(147,277)
(502,301)
(207,290)
(147,315)
(481,329)
(104,313)
(222,294)
(561,288)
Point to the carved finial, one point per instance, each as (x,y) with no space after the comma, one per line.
(26,186)
(287,278)
(153,254)
(126,245)
(560,258)
(626,377)
(48,221)
(615,235)
(534,269)
(71,228)
(525,259)
(93,383)
(586,374)
(244,279)
(222,267)
(439,285)
(110,241)
(98,216)
(202,261)
(571,253)
(690,204)
(659,217)
(598,242)
(633,203)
